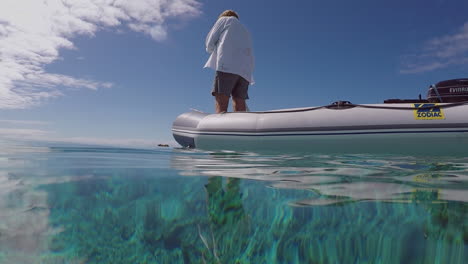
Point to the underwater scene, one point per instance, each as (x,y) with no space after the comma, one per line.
(85,204)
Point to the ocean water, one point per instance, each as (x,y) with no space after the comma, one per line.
(82,204)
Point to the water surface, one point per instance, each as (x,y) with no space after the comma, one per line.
(81,204)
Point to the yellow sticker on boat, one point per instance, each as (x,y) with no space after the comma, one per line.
(428,112)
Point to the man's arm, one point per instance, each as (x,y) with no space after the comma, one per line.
(214,34)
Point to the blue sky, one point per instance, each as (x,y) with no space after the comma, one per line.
(119,72)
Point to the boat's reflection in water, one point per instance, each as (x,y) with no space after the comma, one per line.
(338,178)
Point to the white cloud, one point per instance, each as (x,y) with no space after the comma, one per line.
(440,53)
(33,32)
(22,133)
(40,135)
(22,122)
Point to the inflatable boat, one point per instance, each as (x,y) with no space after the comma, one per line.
(433,126)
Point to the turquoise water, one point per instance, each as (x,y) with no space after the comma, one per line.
(76,204)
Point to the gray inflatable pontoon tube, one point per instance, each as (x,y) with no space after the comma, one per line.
(425,128)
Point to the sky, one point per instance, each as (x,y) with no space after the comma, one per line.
(118,72)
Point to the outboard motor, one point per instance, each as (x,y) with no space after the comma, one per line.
(450,91)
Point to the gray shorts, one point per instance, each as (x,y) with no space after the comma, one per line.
(230,84)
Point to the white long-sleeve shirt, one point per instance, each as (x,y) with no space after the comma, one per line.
(230,46)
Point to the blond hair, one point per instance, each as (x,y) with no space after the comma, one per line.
(229,13)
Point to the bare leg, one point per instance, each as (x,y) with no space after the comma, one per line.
(222,102)
(238,104)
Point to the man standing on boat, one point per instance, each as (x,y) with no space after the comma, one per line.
(230,46)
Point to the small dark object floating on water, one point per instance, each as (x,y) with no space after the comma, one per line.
(163,145)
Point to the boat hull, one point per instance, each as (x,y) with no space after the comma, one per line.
(396,129)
